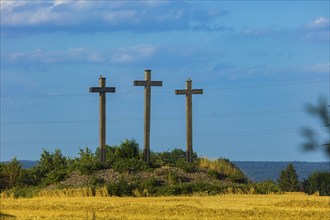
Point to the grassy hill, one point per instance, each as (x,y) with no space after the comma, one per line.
(257,170)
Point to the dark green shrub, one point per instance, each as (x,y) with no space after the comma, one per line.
(29,177)
(150,185)
(266,187)
(318,182)
(186,166)
(9,174)
(238,178)
(124,165)
(128,149)
(121,188)
(171,158)
(96,182)
(23,192)
(175,178)
(87,162)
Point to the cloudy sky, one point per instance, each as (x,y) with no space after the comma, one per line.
(259,63)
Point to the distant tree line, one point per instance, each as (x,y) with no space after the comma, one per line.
(54,167)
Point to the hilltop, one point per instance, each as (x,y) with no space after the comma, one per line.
(256,171)
(123,173)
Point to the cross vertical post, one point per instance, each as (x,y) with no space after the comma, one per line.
(102,90)
(147,83)
(189,92)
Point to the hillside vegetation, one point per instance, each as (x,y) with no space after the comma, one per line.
(126,174)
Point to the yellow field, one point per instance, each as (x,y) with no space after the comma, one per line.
(285,206)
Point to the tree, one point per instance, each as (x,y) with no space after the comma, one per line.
(288,180)
(312,139)
(318,182)
(52,167)
(87,162)
(128,149)
(9,174)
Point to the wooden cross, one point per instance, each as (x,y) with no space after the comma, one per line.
(188,92)
(102,90)
(147,83)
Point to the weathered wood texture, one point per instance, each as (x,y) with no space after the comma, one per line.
(102,90)
(147,83)
(189,139)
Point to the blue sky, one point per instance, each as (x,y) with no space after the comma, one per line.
(259,63)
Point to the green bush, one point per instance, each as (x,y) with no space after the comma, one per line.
(124,165)
(96,182)
(266,187)
(128,149)
(121,188)
(186,166)
(87,162)
(23,191)
(150,185)
(10,173)
(318,182)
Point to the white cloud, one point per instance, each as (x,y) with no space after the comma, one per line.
(323,68)
(93,16)
(81,55)
(319,23)
(317,30)
(314,31)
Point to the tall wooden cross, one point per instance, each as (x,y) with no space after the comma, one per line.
(102,90)
(147,83)
(189,92)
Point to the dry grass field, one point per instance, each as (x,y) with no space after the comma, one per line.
(234,206)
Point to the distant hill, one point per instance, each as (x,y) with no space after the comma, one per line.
(260,171)
(25,163)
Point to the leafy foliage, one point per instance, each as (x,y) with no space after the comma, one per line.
(318,182)
(52,167)
(9,174)
(312,142)
(123,166)
(266,187)
(87,162)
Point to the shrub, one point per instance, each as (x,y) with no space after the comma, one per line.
(95,182)
(128,149)
(125,165)
(266,187)
(87,162)
(150,185)
(186,166)
(318,182)
(9,174)
(23,192)
(120,188)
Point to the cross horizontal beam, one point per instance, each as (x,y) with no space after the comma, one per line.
(188,92)
(102,90)
(145,83)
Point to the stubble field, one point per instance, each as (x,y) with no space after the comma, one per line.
(234,206)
